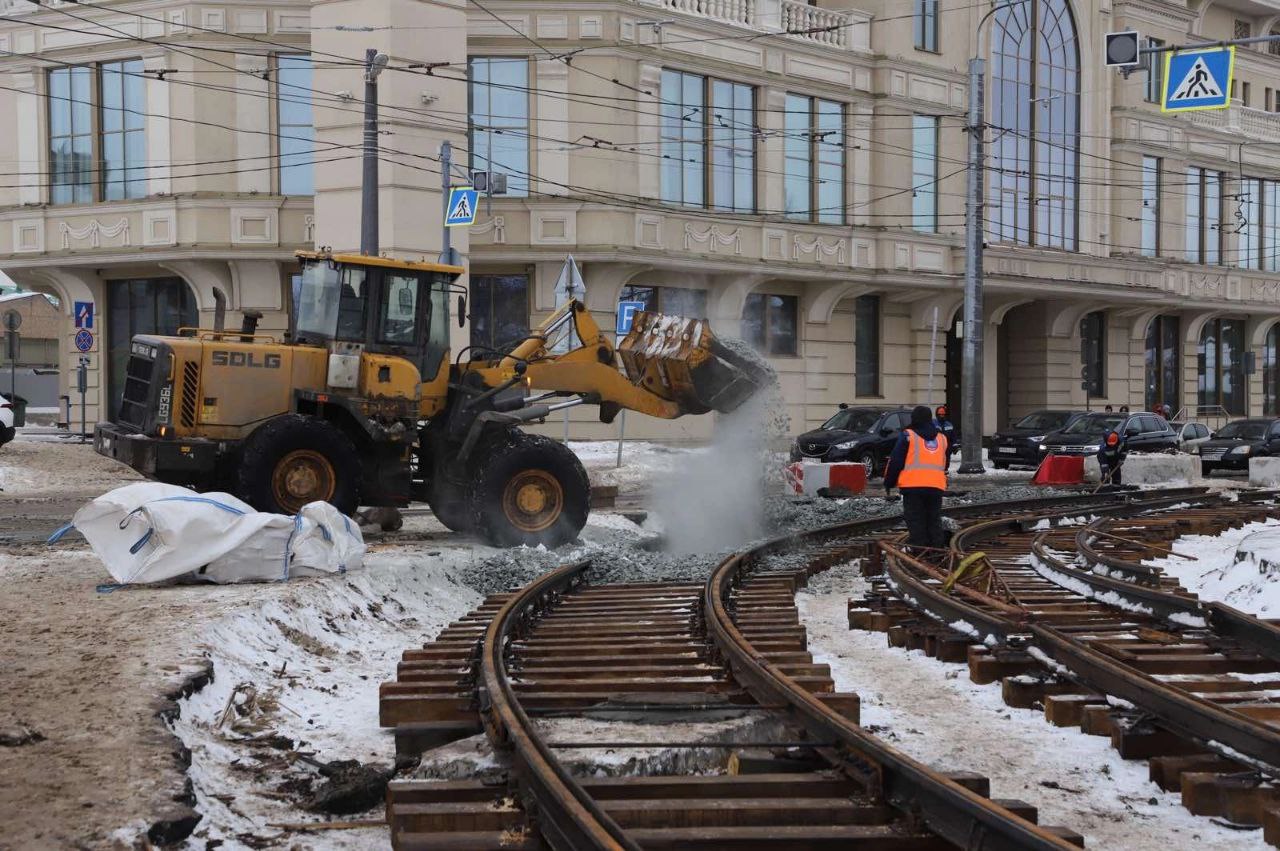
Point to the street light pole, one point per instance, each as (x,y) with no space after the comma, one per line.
(374,62)
(971,367)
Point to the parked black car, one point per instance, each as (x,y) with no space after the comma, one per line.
(1020,442)
(1142,433)
(865,435)
(1235,443)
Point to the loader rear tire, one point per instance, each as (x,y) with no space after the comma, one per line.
(295,459)
(530,490)
(450,505)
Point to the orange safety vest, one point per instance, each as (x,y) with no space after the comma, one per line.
(925,467)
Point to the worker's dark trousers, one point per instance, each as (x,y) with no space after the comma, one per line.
(1115,477)
(922,511)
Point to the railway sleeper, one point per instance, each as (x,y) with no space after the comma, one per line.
(1027,691)
(1166,771)
(1240,798)
(987,665)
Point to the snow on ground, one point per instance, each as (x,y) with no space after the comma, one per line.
(1251,585)
(931,711)
(30,468)
(642,461)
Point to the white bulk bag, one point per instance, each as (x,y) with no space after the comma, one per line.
(151,532)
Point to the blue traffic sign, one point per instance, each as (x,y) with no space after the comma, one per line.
(1198,79)
(627,311)
(462,207)
(84,340)
(84,314)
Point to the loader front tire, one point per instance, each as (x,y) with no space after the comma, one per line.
(296,459)
(530,490)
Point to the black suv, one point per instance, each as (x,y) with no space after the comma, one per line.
(1142,433)
(1235,443)
(1020,442)
(865,435)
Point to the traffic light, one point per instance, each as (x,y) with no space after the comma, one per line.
(1122,50)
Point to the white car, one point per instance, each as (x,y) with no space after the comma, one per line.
(1190,435)
(7,431)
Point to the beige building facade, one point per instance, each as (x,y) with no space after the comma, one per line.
(794,173)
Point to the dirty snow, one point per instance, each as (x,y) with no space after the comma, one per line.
(67,469)
(933,712)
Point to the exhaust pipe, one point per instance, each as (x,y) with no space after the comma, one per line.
(249,325)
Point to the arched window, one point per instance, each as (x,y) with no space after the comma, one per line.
(1035,125)
(1271,372)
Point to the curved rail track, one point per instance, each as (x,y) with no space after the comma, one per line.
(1068,615)
(806,775)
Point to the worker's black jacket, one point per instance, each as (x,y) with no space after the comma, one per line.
(1112,456)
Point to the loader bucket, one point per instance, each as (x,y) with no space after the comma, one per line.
(681,360)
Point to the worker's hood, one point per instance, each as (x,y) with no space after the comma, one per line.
(928,430)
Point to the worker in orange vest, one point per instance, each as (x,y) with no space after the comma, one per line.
(918,468)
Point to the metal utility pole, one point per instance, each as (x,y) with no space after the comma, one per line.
(971,369)
(448,256)
(374,62)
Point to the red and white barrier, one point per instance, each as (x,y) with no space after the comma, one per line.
(809,477)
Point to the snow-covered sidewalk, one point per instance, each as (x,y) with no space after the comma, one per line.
(933,712)
(1251,585)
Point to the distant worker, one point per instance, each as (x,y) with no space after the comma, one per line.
(1111,455)
(1107,410)
(918,467)
(943,425)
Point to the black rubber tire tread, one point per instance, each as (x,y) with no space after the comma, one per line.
(517,451)
(7,434)
(285,434)
(1000,465)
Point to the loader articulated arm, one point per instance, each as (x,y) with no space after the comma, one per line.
(673,366)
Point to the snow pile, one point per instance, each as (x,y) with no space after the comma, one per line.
(1230,568)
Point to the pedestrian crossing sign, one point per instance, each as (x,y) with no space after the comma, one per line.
(462,207)
(1198,79)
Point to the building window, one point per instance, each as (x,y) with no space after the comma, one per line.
(1093,352)
(1270,227)
(814,159)
(500,119)
(1242,29)
(674,301)
(924,172)
(1273,46)
(867,345)
(71,135)
(499,311)
(687,129)
(1163,363)
(770,323)
(124,143)
(1155,72)
(145,306)
(1150,206)
(1244,94)
(1249,232)
(926,20)
(295,125)
(1035,83)
(1204,216)
(1220,381)
(1271,373)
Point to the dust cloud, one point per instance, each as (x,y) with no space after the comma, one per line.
(716,501)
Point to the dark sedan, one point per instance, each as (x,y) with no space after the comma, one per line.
(1235,443)
(864,435)
(1020,442)
(1142,433)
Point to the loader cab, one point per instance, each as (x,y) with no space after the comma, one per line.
(382,306)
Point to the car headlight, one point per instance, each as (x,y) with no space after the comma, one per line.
(1093,448)
(1043,448)
(1240,450)
(848,444)
(1038,439)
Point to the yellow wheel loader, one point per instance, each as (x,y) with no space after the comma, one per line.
(361,403)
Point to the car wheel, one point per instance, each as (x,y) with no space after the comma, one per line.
(7,434)
(1000,465)
(868,462)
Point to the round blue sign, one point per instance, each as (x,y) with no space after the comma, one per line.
(84,340)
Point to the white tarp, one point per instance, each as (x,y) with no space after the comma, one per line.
(152,532)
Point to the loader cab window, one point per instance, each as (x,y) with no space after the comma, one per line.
(399,324)
(331,302)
